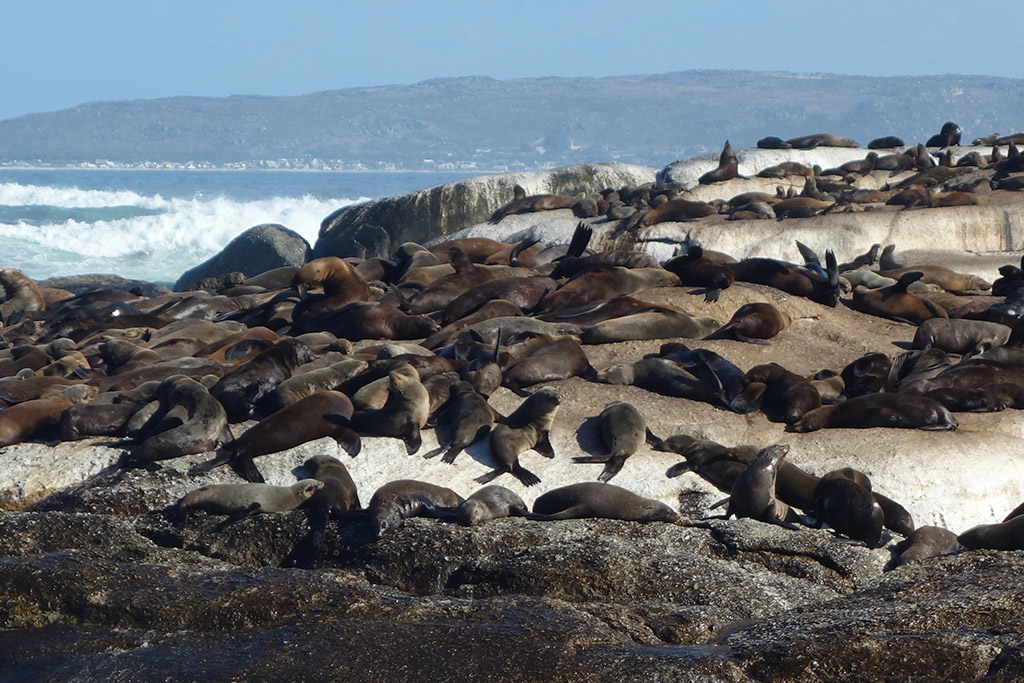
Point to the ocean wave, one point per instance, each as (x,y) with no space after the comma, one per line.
(50,230)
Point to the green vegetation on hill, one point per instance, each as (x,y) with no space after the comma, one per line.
(523,123)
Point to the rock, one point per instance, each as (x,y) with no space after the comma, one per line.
(374,228)
(257,250)
(79,284)
(753,160)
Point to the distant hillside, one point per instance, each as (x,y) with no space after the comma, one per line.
(525,123)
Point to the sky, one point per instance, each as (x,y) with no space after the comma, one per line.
(60,53)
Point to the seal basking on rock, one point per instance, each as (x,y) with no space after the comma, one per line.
(244,500)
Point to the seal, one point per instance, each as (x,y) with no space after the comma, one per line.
(949,280)
(728,167)
(88,419)
(523,203)
(24,420)
(606,284)
(820,140)
(655,322)
(785,170)
(672,211)
(848,508)
(295,424)
(375,320)
(948,136)
(753,323)
(342,284)
(887,142)
(561,359)
(753,492)
(527,427)
(960,335)
(695,270)
(205,424)
(923,543)
(404,414)
(623,431)
(489,502)
(1008,535)
(717,464)
(792,279)
(20,294)
(896,303)
(866,375)
(665,377)
(304,385)
(594,499)
(239,389)
(470,418)
(772,142)
(239,501)
(337,495)
(780,394)
(401,499)
(906,411)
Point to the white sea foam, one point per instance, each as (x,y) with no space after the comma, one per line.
(151,238)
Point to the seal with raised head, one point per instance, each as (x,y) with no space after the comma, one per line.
(595,499)
(907,411)
(753,492)
(526,428)
(241,388)
(728,167)
(623,431)
(337,495)
(239,501)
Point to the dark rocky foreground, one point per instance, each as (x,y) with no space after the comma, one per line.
(94,585)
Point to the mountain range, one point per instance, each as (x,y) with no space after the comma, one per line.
(488,124)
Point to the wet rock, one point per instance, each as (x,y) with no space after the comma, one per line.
(257,250)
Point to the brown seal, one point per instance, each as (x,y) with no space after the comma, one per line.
(949,136)
(204,425)
(561,359)
(404,414)
(960,335)
(879,410)
(717,464)
(623,431)
(820,140)
(401,499)
(244,500)
(728,167)
(696,270)
(949,280)
(375,320)
(896,303)
(594,499)
(526,428)
(783,396)
(664,376)
(785,170)
(793,279)
(239,389)
(923,543)
(523,203)
(753,323)
(342,284)
(1008,535)
(672,211)
(886,142)
(24,420)
(848,508)
(753,492)
(486,503)
(655,322)
(605,284)
(338,493)
(470,418)
(866,375)
(21,294)
(295,424)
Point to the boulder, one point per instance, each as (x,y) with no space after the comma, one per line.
(258,249)
(79,284)
(374,228)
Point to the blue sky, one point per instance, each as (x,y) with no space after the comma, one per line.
(59,53)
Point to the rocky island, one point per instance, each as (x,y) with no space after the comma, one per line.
(103,579)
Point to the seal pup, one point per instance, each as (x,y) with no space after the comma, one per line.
(489,502)
(470,418)
(753,492)
(526,428)
(753,323)
(594,499)
(239,501)
(623,431)
(923,543)
(848,508)
(337,495)
(906,411)
(307,419)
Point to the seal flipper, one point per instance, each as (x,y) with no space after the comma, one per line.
(223,457)
(490,476)
(236,517)
(246,468)
(678,469)
(525,476)
(413,440)
(318,517)
(544,446)
(348,439)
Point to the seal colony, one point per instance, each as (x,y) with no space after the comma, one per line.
(243,349)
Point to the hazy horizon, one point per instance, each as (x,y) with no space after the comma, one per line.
(62,54)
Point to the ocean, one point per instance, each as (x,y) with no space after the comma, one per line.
(155,224)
